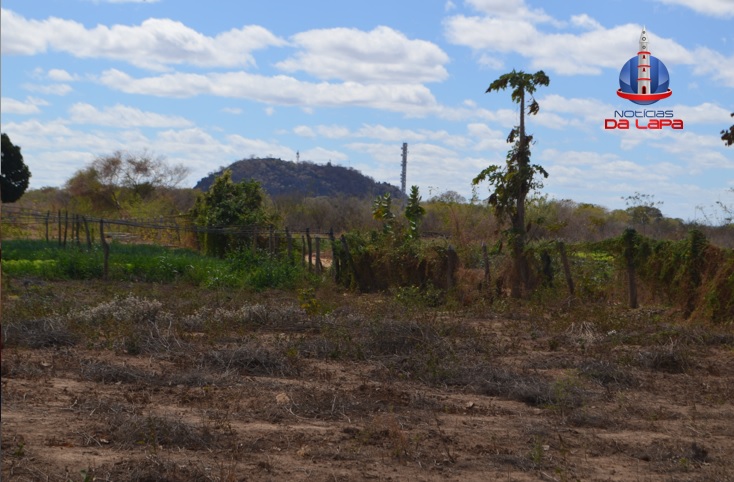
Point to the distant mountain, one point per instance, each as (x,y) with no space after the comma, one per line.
(279,177)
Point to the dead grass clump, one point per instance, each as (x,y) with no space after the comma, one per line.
(39,333)
(607,373)
(198,378)
(532,390)
(151,468)
(586,418)
(670,358)
(156,337)
(132,430)
(397,337)
(499,382)
(251,359)
(103,372)
(675,455)
(91,405)
(128,309)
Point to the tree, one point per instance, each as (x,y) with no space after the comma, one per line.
(518,177)
(122,179)
(15,174)
(227,204)
(728,135)
(643,210)
(414,212)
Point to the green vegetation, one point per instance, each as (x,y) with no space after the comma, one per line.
(512,183)
(149,263)
(15,173)
(228,205)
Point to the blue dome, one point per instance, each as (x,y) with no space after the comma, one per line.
(659,78)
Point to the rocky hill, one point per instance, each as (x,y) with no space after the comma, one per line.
(279,178)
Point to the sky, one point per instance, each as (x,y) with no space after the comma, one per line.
(205,84)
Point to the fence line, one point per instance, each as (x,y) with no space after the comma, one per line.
(28,218)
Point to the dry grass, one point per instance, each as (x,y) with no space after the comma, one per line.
(215,385)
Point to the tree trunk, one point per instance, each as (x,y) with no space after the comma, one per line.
(519,261)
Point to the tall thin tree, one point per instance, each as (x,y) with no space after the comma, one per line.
(517,178)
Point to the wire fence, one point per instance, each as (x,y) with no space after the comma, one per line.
(174,231)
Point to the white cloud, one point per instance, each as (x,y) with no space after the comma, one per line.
(281,90)
(154,44)
(487,139)
(321,155)
(122,116)
(714,8)
(585,21)
(492,36)
(232,110)
(59,75)
(304,131)
(53,89)
(509,9)
(381,55)
(720,66)
(706,113)
(27,107)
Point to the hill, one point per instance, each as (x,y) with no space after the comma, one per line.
(279,178)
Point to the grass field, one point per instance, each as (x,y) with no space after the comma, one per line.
(148,263)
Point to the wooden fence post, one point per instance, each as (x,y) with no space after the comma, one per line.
(77,221)
(303,251)
(319,266)
(59,226)
(66,226)
(566,267)
(48,215)
(310,252)
(289,244)
(86,230)
(105,249)
(350,261)
(334,258)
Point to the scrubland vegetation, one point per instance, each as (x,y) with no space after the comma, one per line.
(238,361)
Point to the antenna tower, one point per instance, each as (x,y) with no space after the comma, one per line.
(403,176)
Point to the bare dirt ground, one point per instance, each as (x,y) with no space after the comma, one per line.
(254,388)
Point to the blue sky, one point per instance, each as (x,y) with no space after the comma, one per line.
(209,83)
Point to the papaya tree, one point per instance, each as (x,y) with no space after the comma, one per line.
(414,212)
(511,183)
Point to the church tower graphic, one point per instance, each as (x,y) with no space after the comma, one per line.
(643,65)
(644,79)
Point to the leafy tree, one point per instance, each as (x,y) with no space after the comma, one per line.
(121,180)
(518,177)
(728,135)
(227,204)
(414,212)
(643,209)
(15,174)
